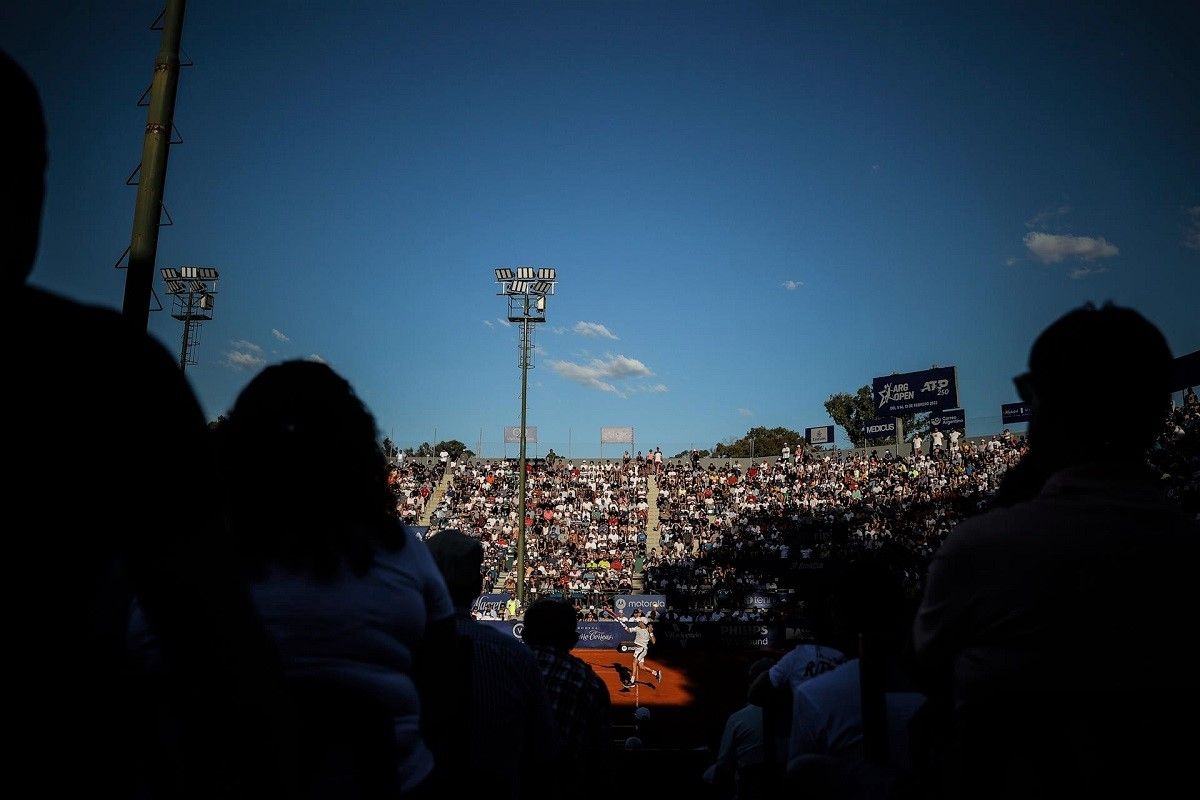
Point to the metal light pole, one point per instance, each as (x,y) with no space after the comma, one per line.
(526,289)
(156,146)
(193,290)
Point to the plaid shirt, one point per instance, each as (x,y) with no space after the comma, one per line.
(579,700)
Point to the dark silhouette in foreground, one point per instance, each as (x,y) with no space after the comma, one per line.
(1031,611)
(505,684)
(114,494)
(578,697)
(352,598)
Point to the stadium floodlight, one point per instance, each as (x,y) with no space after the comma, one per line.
(192,289)
(525,289)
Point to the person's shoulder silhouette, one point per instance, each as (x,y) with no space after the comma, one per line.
(1023,605)
(113,485)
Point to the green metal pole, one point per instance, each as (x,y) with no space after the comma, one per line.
(156,146)
(521,479)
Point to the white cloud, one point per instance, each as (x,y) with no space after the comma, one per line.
(560,330)
(792,286)
(599,372)
(658,388)
(504,322)
(1052,248)
(242,344)
(280,335)
(488,322)
(315,357)
(593,329)
(1011,261)
(1047,216)
(1191,237)
(243,359)
(745,412)
(1083,272)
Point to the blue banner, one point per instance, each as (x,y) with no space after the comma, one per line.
(821,435)
(880,428)
(1015,412)
(592,635)
(954,419)
(928,390)
(626,604)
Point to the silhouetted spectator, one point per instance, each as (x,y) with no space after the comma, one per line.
(579,698)
(743,767)
(348,593)
(1027,608)
(505,685)
(141,523)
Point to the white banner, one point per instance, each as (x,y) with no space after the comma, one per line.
(616,436)
(512,434)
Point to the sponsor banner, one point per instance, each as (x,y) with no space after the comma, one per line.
(725,635)
(626,604)
(592,635)
(512,434)
(490,602)
(880,428)
(927,390)
(616,436)
(758,600)
(1014,412)
(821,435)
(954,419)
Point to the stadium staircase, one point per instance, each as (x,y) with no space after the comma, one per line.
(435,497)
(653,534)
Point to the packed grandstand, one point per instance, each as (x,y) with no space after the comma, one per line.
(730,539)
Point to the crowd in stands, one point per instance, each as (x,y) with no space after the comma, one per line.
(412,483)
(726,534)
(585,524)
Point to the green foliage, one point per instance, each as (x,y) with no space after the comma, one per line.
(850,411)
(687,454)
(390,451)
(760,443)
(454,447)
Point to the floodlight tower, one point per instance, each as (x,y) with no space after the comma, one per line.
(526,289)
(193,291)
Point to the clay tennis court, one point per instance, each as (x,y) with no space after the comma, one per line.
(698,690)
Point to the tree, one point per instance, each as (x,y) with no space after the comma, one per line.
(390,451)
(454,447)
(688,454)
(760,442)
(215,424)
(851,411)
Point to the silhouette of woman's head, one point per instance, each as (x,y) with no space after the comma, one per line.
(305,478)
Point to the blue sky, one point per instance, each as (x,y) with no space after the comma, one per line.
(750,206)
